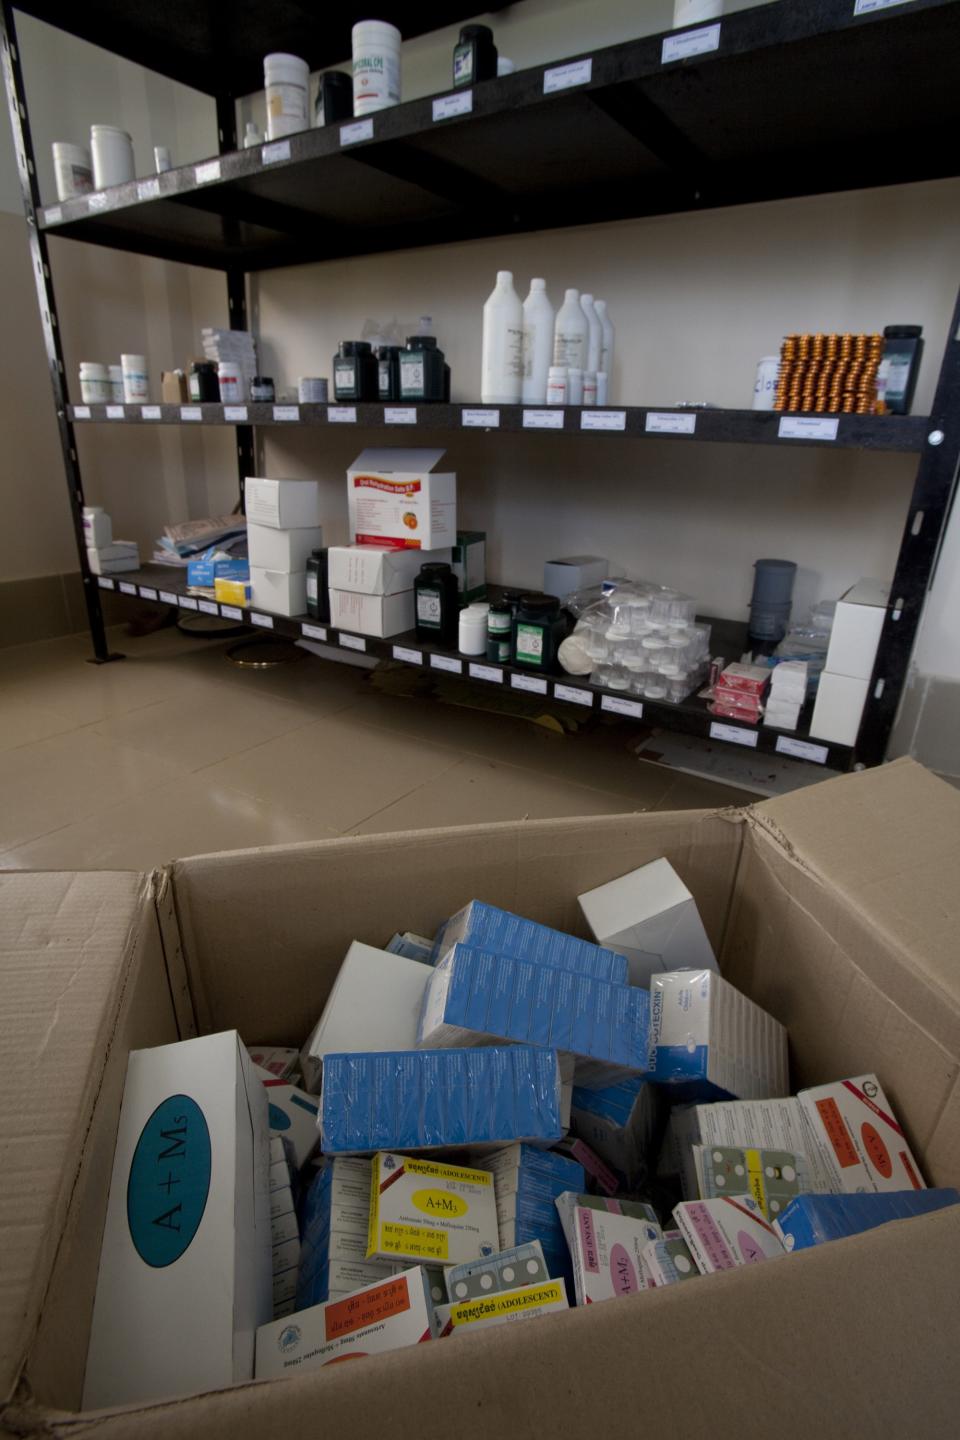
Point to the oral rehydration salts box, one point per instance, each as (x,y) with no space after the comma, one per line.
(397,500)
(384,1316)
(476,996)
(606,1239)
(650,916)
(185,1269)
(425,1211)
(709,1042)
(485,927)
(858,1137)
(725,1233)
(527,1302)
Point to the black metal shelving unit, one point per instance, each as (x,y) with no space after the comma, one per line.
(793,98)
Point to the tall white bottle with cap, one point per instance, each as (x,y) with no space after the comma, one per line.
(538,323)
(571,333)
(501,366)
(609,335)
(594,335)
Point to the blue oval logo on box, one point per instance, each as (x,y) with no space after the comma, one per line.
(169,1181)
(279,1119)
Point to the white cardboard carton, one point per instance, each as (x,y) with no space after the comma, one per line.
(282,504)
(292,1116)
(185,1269)
(574,572)
(283,550)
(377,615)
(396,499)
(855,635)
(858,1137)
(279,591)
(711,1042)
(838,708)
(650,916)
(378,570)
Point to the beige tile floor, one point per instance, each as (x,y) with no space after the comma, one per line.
(174,751)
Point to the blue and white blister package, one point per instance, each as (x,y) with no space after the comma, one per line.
(486,927)
(709,1042)
(815,1219)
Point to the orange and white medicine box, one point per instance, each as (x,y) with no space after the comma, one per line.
(425,1211)
(858,1137)
(397,500)
(385,1316)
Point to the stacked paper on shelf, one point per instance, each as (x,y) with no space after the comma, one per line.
(788,691)
(486,927)
(710,1042)
(336,1222)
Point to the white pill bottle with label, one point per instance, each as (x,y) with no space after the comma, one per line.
(501,366)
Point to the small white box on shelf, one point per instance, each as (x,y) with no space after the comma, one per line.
(284,550)
(575,572)
(278,591)
(376,615)
(282,504)
(838,708)
(856,629)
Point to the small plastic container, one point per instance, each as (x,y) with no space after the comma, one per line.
(136,389)
(230,382)
(670,608)
(261,390)
(376,66)
(116,384)
(112,151)
(95,386)
(73,170)
(436,604)
(203,385)
(557,385)
(500,616)
(474,56)
(312,390)
(472,630)
(286,79)
(334,98)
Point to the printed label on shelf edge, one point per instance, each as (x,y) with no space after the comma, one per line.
(313,632)
(734,734)
(808,427)
(209,607)
(565,77)
(867,7)
(533,683)
(543,419)
(81,412)
(603,420)
(359,130)
(168,597)
(272,154)
(802,749)
(231,612)
(485,419)
(492,673)
(105,582)
(235,414)
(97,201)
(691,42)
(264,621)
(573,695)
(148,189)
(126,588)
(147,592)
(342,414)
(616,705)
(209,170)
(53,216)
(115,412)
(668,422)
(409,657)
(191,412)
(402,416)
(447,106)
(150,412)
(447,662)
(352,642)
(286,412)
(186,602)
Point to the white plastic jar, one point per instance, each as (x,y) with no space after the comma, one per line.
(376,66)
(115,373)
(230,381)
(73,170)
(473,629)
(557,385)
(286,79)
(134,370)
(94,383)
(112,156)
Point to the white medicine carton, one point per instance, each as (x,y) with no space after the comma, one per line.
(292,1116)
(708,1041)
(426,1212)
(378,570)
(858,1137)
(282,504)
(650,916)
(185,1269)
(722,1234)
(396,499)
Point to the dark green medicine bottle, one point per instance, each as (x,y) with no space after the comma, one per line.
(436,604)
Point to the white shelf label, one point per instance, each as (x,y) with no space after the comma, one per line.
(616,705)
(543,419)
(286,412)
(264,621)
(603,420)
(393,416)
(81,412)
(573,695)
(150,412)
(808,427)
(867,7)
(187,602)
(273,154)
(231,612)
(450,105)
(191,412)
(351,642)
(115,412)
(127,589)
(483,419)
(53,216)
(97,201)
(209,607)
(105,582)
(342,414)
(802,749)
(447,662)
(168,597)
(313,632)
(235,414)
(409,657)
(691,42)
(492,673)
(147,592)
(148,189)
(533,683)
(734,734)
(359,130)
(565,77)
(209,170)
(666,422)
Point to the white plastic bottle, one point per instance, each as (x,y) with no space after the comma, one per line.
(501,366)
(286,79)
(595,335)
(537,343)
(574,386)
(557,385)
(376,66)
(609,335)
(570,333)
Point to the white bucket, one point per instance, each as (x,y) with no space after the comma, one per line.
(112,156)
(286,79)
(376,66)
(73,169)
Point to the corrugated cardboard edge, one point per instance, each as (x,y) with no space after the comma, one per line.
(170,938)
(34,1301)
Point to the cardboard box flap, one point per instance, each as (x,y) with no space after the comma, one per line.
(65,940)
(888,840)
(397,458)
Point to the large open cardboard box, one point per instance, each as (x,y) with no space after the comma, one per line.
(835,907)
